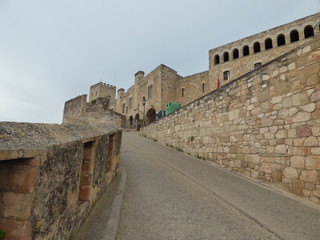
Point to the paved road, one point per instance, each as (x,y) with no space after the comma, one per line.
(170,195)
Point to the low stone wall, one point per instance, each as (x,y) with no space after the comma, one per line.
(51,175)
(265,124)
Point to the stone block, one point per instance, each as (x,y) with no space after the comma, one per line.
(297,162)
(315,151)
(301,117)
(303,151)
(310,176)
(290,173)
(281,149)
(316,114)
(315,131)
(300,99)
(292,66)
(18,205)
(266,122)
(234,114)
(306,193)
(297,183)
(311,141)
(315,96)
(276,176)
(303,131)
(292,133)
(18,177)
(313,162)
(287,102)
(16,230)
(265,168)
(281,134)
(316,193)
(266,107)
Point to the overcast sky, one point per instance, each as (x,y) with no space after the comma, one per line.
(54,50)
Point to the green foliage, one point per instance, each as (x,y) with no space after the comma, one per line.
(2,233)
(192,138)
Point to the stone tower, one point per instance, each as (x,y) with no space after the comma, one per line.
(102,90)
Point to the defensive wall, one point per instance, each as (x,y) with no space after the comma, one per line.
(78,110)
(264,124)
(226,63)
(232,60)
(51,175)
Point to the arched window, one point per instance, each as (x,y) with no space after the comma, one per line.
(216,59)
(256,47)
(245,50)
(308,31)
(268,43)
(294,36)
(235,53)
(281,40)
(182,92)
(202,85)
(226,57)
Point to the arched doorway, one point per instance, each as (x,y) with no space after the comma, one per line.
(138,121)
(131,121)
(150,116)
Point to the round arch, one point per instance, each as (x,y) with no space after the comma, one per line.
(150,116)
(308,31)
(131,120)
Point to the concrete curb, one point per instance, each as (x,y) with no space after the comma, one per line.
(114,220)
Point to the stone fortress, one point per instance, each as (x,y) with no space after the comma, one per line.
(226,63)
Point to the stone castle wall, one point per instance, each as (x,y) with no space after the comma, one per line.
(265,52)
(189,88)
(51,175)
(77,110)
(264,125)
(168,86)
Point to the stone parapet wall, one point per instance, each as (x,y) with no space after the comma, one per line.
(51,175)
(264,125)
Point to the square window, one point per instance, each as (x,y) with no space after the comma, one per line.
(226,75)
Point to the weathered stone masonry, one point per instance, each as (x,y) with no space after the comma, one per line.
(265,124)
(50,176)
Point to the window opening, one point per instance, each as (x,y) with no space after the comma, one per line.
(226,75)
(216,59)
(256,47)
(308,31)
(235,53)
(281,40)
(226,57)
(268,43)
(182,92)
(246,51)
(294,36)
(150,88)
(202,87)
